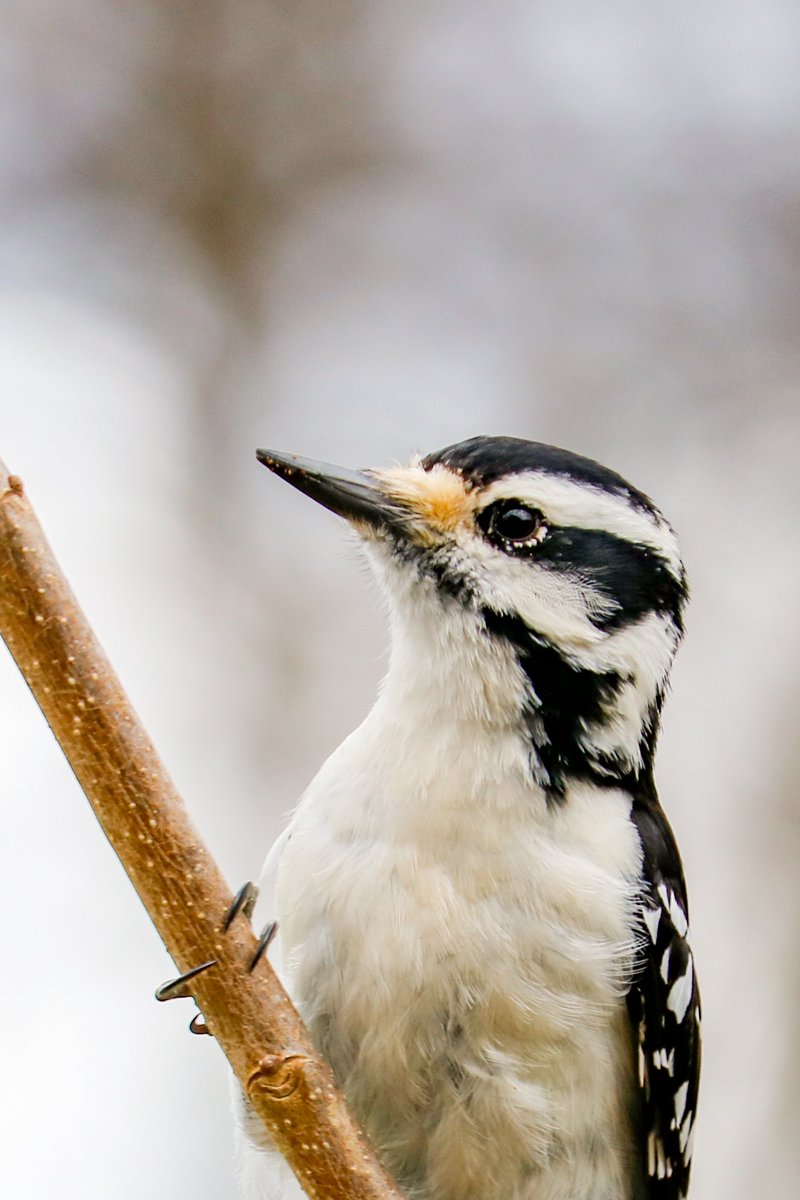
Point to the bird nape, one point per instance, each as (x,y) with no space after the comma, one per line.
(481,904)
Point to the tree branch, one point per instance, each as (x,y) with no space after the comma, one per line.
(180,885)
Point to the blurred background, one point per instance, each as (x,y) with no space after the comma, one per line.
(357,230)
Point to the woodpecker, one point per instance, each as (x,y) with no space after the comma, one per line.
(481,903)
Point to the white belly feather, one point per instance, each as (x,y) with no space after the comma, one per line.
(460,951)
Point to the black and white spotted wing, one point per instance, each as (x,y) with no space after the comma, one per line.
(664,1005)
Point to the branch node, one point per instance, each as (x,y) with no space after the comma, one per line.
(278,1076)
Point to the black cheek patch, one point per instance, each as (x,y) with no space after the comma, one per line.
(633,576)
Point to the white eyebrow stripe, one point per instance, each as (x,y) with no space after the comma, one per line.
(565,501)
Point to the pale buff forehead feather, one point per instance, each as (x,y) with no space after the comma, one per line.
(439,497)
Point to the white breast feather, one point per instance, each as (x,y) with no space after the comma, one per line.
(460,948)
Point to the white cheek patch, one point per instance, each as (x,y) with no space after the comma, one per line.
(560,606)
(566,502)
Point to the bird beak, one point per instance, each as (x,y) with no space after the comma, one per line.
(355,495)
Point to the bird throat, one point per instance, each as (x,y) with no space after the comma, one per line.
(486,669)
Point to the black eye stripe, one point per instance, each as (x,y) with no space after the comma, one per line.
(636,577)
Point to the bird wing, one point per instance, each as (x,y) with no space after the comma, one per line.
(664,1005)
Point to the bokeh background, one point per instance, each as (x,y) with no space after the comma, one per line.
(358,230)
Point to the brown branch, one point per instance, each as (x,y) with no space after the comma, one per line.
(179,883)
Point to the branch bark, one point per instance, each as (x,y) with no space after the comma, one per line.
(180,885)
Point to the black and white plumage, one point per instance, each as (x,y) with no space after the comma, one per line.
(664,1004)
(482,906)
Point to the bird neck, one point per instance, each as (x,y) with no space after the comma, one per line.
(594,720)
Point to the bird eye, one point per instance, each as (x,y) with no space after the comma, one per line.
(512,523)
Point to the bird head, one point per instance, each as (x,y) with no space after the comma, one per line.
(571,574)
